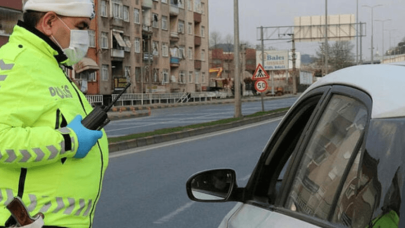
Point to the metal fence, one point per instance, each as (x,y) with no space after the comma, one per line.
(153,98)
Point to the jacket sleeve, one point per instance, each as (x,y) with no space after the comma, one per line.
(28,134)
(34,146)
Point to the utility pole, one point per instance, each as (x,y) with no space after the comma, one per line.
(261,35)
(383,51)
(326,38)
(361,43)
(238,105)
(372,30)
(149,62)
(357,32)
(294,68)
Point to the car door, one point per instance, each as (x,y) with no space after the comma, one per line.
(307,173)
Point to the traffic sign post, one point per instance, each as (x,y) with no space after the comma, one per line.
(260,74)
(261,86)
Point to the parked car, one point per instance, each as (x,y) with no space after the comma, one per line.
(337,159)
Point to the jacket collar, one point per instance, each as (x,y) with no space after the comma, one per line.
(60,57)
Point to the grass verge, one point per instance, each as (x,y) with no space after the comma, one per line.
(188,127)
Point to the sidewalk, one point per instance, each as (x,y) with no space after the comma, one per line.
(125,112)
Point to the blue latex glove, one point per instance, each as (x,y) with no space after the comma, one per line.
(87,138)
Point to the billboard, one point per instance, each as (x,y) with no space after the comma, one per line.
(278,59)
(312,28)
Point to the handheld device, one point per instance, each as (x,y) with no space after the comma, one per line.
(98,118)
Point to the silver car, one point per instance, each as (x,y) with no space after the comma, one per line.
(337,159)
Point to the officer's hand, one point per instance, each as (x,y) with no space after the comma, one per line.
(87,138)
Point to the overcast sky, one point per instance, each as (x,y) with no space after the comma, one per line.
(271,13)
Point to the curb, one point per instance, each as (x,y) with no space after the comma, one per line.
(127,116)
(150,140)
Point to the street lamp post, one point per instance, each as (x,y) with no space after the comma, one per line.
(372,31)
(382,22)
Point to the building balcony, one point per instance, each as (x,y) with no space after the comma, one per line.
(174,62)
(147,4)
(174,36)
(197,17)
(197,40)
(174,10)
(116,53)
(146,29)
(197,64)
(146,55)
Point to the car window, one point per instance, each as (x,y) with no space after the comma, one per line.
(326,157)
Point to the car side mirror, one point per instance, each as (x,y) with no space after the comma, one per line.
(212,186)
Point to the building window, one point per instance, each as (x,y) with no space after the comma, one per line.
(180,4)
(92,76)
(127,41)
(197,6)
(164,22)
(189,5)
(155,48)
(165,50)
(155,75)
(127,72)
(190,77)
(202,8)
(126,13)
(104,72)
(202,55)
(103,9)
(117,10)
(181,27)
(155,23)
(104,40)
(203,77)
(202,31)
(197,77)
(137,74)
(136,16)
(137,45)
(190,28)
(92,38)
(182,53)
(190,53)
(164,1)
(165,76)
(182,77)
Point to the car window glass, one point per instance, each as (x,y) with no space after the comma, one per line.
(326,156)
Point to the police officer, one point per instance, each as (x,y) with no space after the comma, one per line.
(47,157)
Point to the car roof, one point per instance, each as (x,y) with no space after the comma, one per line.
(384,83)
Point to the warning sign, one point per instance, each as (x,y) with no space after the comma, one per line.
(260,73)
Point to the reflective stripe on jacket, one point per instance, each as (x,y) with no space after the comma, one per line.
(37,101)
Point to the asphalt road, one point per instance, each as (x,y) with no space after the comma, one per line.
(181,116)
(145,187)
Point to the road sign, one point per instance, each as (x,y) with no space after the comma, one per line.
(260,73)
(261,86)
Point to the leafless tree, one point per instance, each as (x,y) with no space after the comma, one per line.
(340,55)
(215,39)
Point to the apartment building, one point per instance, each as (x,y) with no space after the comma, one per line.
(160,46)
(10,13)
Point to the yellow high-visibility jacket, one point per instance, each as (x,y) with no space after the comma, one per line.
(37,101)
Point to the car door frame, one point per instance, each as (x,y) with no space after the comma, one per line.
(270,152)
(279,206)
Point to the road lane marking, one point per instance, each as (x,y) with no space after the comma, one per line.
(189,139)
(173,214)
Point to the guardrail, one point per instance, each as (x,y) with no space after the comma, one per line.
(149,98)
(95,99)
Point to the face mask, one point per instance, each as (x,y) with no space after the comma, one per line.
(79,44)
